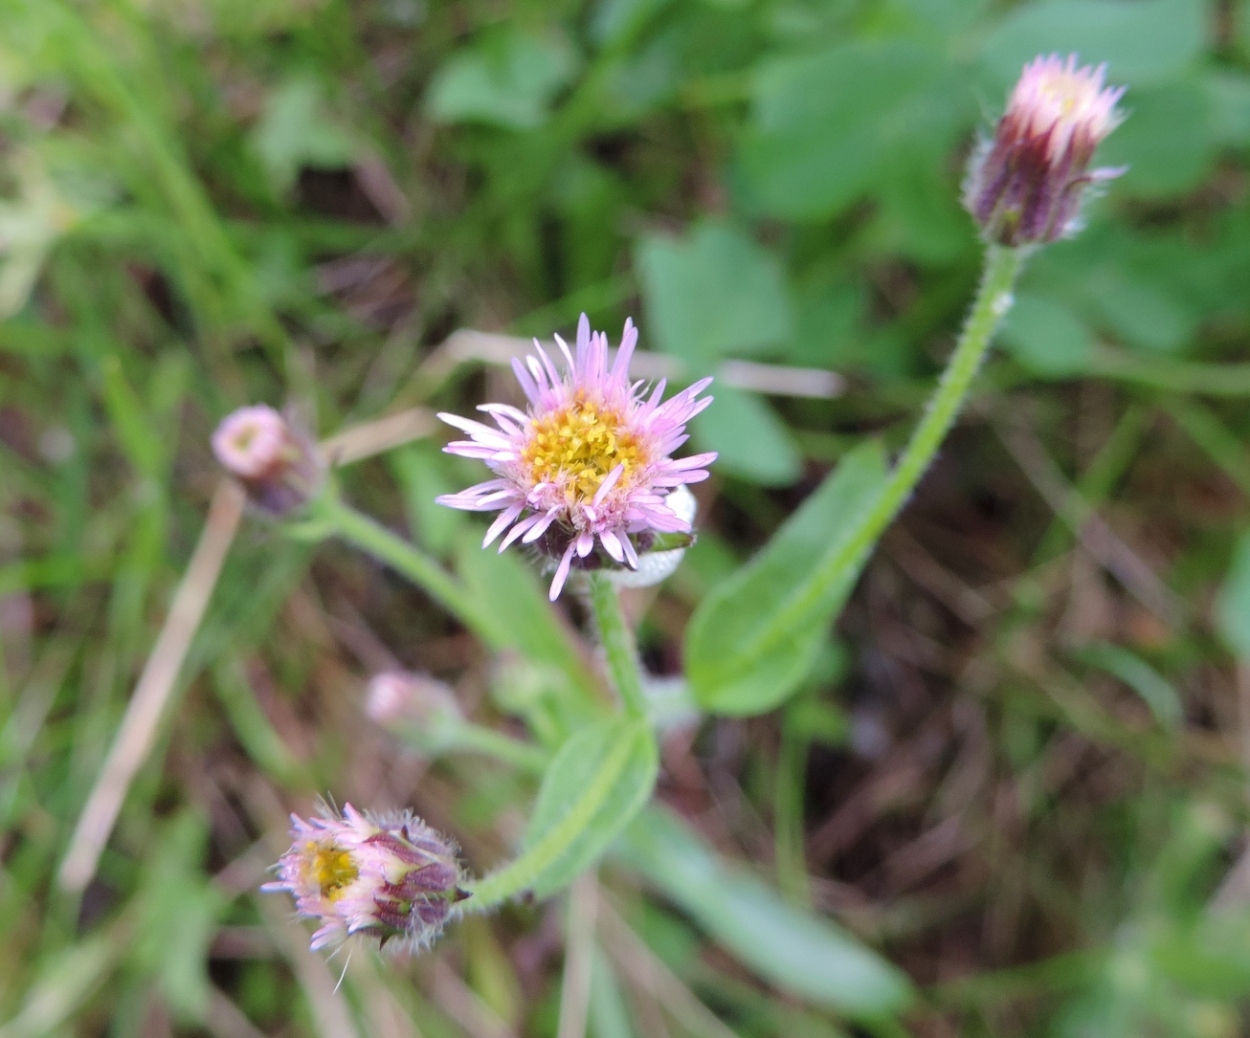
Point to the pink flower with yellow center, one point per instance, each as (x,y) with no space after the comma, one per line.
(1026,185)
(588,467)
(390,877)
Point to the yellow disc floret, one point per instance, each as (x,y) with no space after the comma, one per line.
(578,445)
(330,868)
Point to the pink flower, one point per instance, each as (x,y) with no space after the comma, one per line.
(588,467)
(1026,185)
(277,465)
(390,877)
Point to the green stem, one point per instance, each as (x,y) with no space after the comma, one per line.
(523,872)
(993,300)
(409,560)
(523,756)
(618,643)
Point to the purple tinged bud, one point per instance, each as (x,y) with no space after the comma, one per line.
(398,699)
(387,877)
(277,465)
(1025,186)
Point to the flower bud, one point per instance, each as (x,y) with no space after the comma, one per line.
(388,877)
(658,564)
(398,697)
(1026,185)
(277,465)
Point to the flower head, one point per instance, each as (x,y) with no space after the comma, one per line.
(586,472)
(389,877)
(278,465)
(1026,185)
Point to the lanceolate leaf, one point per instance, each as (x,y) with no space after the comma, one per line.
(738,658)
(797,951)
(623,746)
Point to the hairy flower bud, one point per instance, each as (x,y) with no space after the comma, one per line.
(277,464)
(398,697)
(1026,185)
(389,877)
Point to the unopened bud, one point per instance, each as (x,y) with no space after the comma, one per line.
(398,698)
(659,563)
(1026,185)
(277,464)
(388,877)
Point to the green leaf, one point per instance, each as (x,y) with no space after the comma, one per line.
(509,80)
(798,952)
(1232,606)
(1046,337)
(735,661)
(1142,42)
(294,131)
(623,741)
(521,616)
(145,448)
(712,293)
(825,125)
(1140,676)
(1168,141)
(422,472)
(752,441)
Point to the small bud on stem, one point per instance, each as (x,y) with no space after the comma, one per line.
(277,465)
(1026,185)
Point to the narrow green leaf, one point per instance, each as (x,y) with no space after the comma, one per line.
(570,779)
(797,951)
(1156,692)
(1232,607)
(520,615)
(735,662)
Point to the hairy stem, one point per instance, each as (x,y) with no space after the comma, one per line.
(409,560)
(522,873)
(993,300)
(618,643)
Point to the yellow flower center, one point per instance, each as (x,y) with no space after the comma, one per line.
(578,446)
(330,868)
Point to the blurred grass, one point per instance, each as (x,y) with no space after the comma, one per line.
(1011,774)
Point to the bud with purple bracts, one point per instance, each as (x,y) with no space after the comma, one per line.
(1026,185)
(277,464)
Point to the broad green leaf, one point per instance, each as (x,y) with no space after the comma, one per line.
(735,661)
(1168,143)
(800,953)
(1046,337)
(509,80)
(1228,98)
(570,779)
(825,125)
(1144,313)
(1211,956)
(753,443)
(1232,606)
(1147,41)
(1141,677)
(295,130)
(712,293)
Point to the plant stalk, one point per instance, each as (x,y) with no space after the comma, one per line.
(618,643)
